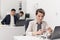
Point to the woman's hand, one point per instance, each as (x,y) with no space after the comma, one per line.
(34,33)
(40,32)
(49,30)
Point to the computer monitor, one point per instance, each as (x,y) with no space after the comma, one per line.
(27,15)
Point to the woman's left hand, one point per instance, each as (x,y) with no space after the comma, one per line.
(49,30)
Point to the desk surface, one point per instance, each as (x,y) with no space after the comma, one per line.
(28,38)
(7,32)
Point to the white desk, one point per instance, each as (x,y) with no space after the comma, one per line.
(7,32)
(28,38)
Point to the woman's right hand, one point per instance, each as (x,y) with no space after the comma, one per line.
(34,33)
(40,32)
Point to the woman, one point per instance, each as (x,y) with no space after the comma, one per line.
(38,26)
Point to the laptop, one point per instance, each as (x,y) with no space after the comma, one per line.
(56,33)
(20,22)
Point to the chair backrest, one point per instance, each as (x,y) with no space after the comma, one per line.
(27,23)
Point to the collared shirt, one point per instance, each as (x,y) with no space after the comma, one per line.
(12,20)
(21,17)
(33,27)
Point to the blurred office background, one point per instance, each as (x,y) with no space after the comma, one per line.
(51,7)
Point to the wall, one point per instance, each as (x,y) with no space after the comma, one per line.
(58,12)
(0,8)
(48,5)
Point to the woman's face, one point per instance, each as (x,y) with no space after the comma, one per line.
(39,17)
